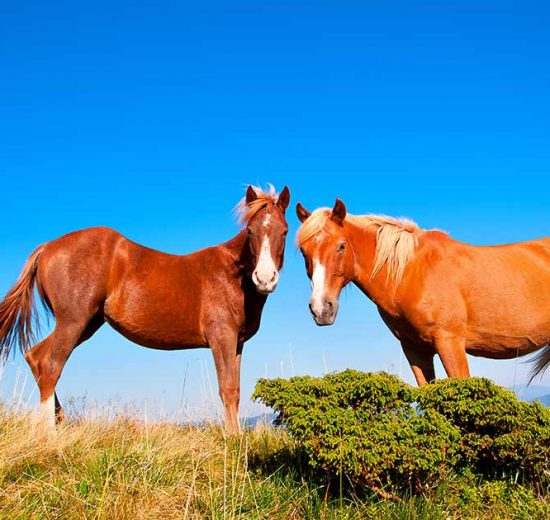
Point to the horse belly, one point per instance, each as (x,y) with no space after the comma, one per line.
(157,320)
(505,347)
(508,304)
(507,337)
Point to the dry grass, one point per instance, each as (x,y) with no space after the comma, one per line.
(122,469)
(126,468)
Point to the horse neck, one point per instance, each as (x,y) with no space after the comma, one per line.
(379,289)
(238,250)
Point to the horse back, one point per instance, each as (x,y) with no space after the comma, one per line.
(488,294)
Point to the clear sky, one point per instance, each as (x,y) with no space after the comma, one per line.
(151,118)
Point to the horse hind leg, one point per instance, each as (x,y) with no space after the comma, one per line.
(47,359)
(421,362)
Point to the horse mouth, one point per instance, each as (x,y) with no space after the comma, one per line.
(265,293)
(324,320)
(265,290)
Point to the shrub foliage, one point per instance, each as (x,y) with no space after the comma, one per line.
(377,431)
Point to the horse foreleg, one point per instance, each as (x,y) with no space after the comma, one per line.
(452,352)
(227,358)
(422,364)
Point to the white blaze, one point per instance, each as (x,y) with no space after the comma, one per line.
(317,286)
(265,268)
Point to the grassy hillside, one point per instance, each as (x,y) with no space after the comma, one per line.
(126,468)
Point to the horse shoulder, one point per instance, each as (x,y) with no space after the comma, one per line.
(435,258)
(430,292)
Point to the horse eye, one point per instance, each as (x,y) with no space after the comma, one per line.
(341,247)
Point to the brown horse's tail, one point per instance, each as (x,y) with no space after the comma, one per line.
(542,361)
(17,311)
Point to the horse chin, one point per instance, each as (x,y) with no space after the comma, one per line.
(264,291)
(324,321)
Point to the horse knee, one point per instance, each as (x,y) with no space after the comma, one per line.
(230,395)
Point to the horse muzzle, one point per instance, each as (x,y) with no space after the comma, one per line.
(265,283)
(324,314)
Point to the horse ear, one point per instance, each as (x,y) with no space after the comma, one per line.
(302,213)
(338,212)
(284,199)
(251,195)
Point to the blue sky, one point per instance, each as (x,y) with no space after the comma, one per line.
(152,117)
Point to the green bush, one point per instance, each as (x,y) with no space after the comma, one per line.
(377,431)
(501,437)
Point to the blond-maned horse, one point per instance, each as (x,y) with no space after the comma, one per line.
(436,295)
(210,298)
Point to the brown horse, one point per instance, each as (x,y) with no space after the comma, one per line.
(210,298)
(437,295)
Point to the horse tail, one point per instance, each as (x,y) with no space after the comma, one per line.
(17,311)
(541,363)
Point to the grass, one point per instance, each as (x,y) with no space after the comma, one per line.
(125,468)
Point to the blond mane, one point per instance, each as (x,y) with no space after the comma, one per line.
(245,212)
(396,238)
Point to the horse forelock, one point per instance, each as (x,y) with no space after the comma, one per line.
(264,199)
(396,238)
(313,225)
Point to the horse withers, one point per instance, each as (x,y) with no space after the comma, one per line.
(210,298)
(437,295)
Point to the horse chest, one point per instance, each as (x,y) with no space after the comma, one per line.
(235,310)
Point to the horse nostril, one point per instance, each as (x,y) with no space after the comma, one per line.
(274,277)
(329,304)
